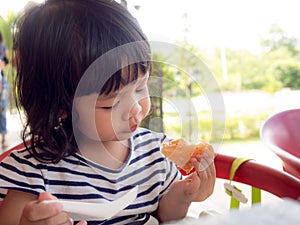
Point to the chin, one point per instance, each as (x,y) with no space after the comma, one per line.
(124,135)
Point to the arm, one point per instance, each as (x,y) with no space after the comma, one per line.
(28,209)
(173,205)
(13,204)
(196,187)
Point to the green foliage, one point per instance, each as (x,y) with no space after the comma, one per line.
(167,73)
(244,70)
(243,126)
(276,39)
(274,68)
(6,28)
(288,73)
(190,69)
(162,77)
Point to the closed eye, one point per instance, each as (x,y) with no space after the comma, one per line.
(109,107)
(141,89)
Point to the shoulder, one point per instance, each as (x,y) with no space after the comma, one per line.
(21,158)
(20,171)
(143,134)
(146,139)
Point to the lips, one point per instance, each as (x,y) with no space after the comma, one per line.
(133,128)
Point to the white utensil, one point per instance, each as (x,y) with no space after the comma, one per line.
(101,211)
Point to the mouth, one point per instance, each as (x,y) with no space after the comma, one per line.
(133,128)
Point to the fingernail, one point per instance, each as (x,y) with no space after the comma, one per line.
(59,207)
(71,221)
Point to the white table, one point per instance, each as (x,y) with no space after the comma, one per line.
(279,213)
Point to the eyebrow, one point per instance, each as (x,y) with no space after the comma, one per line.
(109,96)
(115,94)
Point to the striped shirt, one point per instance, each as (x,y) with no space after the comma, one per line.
(77,178)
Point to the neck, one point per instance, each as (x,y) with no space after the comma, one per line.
(111,154)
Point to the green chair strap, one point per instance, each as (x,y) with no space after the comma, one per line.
(256,192)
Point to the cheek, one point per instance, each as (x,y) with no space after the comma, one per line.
(103,122)
(87,124)
(96,126)
(146,104)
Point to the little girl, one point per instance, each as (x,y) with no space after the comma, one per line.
(82,71)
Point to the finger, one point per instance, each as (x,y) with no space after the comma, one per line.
(45,196)
(213,169)
(40,211)
(48,216)
(205,161)
(61,218)
(200,164)
(205,156)
(192,184)
(82,222)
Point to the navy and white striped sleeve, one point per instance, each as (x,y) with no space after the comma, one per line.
(19,173)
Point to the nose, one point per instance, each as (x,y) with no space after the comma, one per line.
(135,109)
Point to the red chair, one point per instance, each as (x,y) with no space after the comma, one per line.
(260,176)
(281,133)
(7,152)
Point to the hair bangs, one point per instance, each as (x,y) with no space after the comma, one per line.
(125,76)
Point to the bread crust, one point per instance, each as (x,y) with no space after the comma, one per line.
(181,153)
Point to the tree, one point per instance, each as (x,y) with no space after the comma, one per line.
(281,59)
(288,73)
(277,39)
(160,73)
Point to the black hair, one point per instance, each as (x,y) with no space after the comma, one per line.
(55,43)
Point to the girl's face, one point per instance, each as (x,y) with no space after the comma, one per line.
(115,116)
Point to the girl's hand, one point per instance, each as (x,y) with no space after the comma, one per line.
(36,212)
(196,187)
(200,184)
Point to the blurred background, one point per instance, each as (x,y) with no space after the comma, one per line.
(250,48)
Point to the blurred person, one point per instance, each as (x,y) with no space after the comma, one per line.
(4,92)
(3,49)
